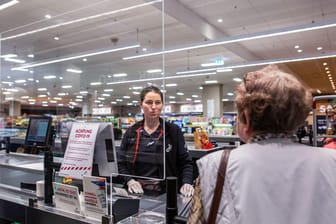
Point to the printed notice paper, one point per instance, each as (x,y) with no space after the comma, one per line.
(67,197)
(95,196)
(79,153)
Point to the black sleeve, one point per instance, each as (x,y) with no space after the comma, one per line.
(184,161)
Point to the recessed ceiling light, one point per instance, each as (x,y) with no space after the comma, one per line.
(84,59)
(299,50)
(47,16)
(225,99)
(220,20)
(30,56)
(144,49)
(325,63)
(230,94)
(319,48)
(56,38)
(296,46)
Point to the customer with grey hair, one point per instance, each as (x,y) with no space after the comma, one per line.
(271,179)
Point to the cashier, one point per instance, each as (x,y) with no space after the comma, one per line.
(141,150)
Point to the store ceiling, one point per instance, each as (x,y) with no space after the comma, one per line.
(85,26)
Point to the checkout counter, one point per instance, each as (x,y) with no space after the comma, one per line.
(19,203)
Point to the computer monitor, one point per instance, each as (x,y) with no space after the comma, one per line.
(38,131)
(105,156)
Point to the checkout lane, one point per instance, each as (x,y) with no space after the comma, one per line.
(16,168)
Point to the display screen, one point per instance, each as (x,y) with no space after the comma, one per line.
(38,131)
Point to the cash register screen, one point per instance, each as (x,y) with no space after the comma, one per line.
(38,132)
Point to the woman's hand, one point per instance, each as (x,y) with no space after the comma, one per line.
(134,187)
(187,190)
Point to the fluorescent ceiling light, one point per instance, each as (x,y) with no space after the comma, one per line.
(20,69)
(87,54)
(79,20)
(74,70)
(283,60)
(237,79)
(49,77)
(15,60)
(7,3)
(224,70)
(119,75)
(246,37)
(154,71)
(108,90)
(20,81)
(8,56)
(211,81)
(42,89)
(95,83)
(66,86)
